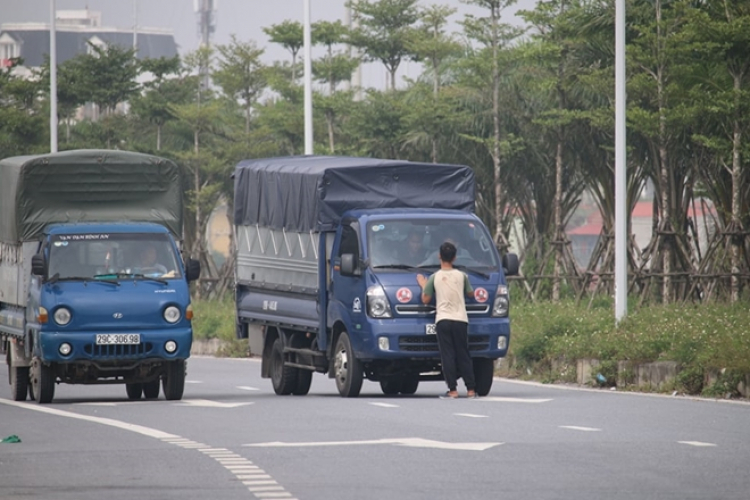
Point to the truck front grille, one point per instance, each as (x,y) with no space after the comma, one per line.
(428,343)
(118,351)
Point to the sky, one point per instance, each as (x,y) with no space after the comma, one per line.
(243,18)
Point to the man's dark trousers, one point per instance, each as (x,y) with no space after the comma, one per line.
(453,342)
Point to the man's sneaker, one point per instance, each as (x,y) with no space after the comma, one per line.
(472,395)
(448,395)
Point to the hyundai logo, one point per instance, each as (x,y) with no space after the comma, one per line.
(117,315)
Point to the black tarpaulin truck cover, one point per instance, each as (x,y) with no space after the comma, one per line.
(87,186)
(310,193)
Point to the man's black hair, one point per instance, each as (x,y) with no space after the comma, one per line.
(447,252)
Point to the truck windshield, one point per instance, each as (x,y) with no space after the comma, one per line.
(107,255)
(416,243)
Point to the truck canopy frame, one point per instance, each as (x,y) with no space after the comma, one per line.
(311,193)
(87,186)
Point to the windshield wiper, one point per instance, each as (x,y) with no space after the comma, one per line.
(399,266)
(85,279)
(472,271)
(144,277)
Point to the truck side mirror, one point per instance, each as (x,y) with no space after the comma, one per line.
(192,269)
(38,266)
(510,264)
(347,264)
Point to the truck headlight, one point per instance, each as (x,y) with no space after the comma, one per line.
(172,314)
(377,303)
(62,316)
(502,302)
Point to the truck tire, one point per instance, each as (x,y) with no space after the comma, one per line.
(151,389)
(390,387)
(409,384)
(173,382)
(19,382)
(484,373)
(283,378)
(134,391)
(42,381)
(347,368)
(304,379)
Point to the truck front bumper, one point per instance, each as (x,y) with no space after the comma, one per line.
(83,347)
(488,338)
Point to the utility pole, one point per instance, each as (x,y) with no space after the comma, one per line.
(52,77)
(206,26)
(135,28)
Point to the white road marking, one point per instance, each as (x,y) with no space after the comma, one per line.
(409,442)
(512,400)
(193,381)
(470,415)
(696,443)
(578,428)
(264,488)
(270,494)
(252,475)
(385,405)
(205,403)
(247,388)
(99,420)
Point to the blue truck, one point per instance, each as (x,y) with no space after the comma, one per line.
(325,281)
(78,302)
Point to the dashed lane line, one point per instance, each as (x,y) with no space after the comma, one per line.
(579,428)
(471,415)
(697,443)
(244,470)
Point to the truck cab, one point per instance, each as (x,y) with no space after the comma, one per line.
(98,313)
(375,300)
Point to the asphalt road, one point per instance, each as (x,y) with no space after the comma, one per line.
(232,438)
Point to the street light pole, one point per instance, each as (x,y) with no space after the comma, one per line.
(52,78)
(621,216)
(307,40)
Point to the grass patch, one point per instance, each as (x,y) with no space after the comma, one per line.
(699,338)
(215,319)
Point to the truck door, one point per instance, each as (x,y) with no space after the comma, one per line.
(347,291)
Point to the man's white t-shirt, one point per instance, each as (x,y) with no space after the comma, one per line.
(449,286)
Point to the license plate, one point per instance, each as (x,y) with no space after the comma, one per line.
(430,329)
(118,338)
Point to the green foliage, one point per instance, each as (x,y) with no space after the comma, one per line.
(698,338)
(215,319)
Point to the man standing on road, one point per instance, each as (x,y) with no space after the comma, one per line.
(449,286)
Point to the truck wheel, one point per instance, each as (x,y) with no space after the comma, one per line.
(42,381)
(151,389)
(19,382)
(173,382)
(304,379)
(484,373)
(283,378)
(409,384)
(390,387)
(347,368)
(134,390)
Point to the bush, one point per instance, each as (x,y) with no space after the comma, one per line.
(699,338)
(215,319)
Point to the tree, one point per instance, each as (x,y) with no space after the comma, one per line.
(288,34)
(432,45)
(384,30)
(332,69)
(492,36)
(161,92)
(241,74)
